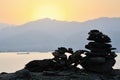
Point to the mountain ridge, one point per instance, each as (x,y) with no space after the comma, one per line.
(47,34)
(90,20)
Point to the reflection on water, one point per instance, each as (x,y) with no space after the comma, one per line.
(11,62)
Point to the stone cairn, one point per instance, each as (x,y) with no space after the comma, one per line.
(60,62)
(100,58)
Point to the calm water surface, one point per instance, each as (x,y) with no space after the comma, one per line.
(13,61)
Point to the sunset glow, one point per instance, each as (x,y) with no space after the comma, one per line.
(23,11)
(48,11)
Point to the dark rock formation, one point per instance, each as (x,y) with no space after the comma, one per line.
(101,57)
(97,36)
(40,65)
(60,75)
(59,62)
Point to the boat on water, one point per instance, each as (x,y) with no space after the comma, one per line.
(23,52)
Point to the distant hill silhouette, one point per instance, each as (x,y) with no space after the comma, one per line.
(47,34)
(3,25)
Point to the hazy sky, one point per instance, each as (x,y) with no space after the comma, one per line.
(22,11)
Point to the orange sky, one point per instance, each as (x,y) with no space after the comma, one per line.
(22,11)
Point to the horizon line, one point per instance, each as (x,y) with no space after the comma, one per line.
(55,20)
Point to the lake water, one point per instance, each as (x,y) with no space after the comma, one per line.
(13,61)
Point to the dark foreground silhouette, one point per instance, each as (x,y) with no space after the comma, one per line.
(99,59)
(96,62)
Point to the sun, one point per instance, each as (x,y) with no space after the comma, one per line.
(48,11)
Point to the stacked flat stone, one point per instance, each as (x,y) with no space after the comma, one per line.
(59,62)
(101,57)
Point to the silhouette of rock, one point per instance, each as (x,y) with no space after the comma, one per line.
(101,57)
(70,50)
(59,55)
(98,36)
(23,74)
(59,62)
(61,75)
(40,65)
(98,65)
(76,57)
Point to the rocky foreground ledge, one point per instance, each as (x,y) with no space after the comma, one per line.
(60,75)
